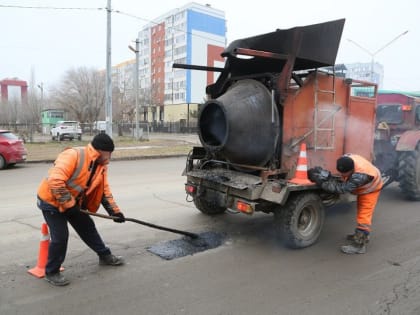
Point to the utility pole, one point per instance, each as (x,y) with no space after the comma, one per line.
(108,80)
(136,85)
(373,54)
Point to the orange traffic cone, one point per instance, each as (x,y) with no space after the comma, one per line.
(39,269)
(301,173)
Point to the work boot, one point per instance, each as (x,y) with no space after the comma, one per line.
(350,237)
(111,260)
(358,243)
(57,279)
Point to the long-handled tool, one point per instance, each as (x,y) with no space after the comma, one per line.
(154,226)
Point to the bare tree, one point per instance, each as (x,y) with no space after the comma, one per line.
(9,111)
(5,113)
(32,108)
(82,93)
(123,100)
(12,111)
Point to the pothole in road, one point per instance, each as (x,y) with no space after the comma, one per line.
(187,246)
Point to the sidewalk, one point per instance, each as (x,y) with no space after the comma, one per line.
(158,145)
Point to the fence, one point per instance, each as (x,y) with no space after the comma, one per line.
(39,132)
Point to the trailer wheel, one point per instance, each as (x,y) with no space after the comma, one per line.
(300,221)
(208,207)
(409,174)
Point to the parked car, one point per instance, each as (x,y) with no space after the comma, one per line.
(12,150)
(66,129)
(99,126)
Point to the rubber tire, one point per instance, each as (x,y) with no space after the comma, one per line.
(208,207)
(389,177)
(386,161)
(3,163)
(300,221)
(409,174)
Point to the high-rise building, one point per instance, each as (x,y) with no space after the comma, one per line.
(193,34)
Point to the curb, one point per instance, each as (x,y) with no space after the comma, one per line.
(127,158)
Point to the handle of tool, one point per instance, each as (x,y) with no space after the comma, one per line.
(189,234)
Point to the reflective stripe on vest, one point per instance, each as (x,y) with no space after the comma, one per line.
(71,182)
(362,165)
(373,185)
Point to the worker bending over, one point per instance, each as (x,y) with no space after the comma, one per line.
(358,177)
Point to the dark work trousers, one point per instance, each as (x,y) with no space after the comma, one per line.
(59,234)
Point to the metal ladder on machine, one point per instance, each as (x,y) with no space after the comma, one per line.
(323,116)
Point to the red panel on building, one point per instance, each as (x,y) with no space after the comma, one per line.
(213,54)
(158,63)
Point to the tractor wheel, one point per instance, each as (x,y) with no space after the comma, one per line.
(208,207)
(409,173)
(300,221)
(385,161)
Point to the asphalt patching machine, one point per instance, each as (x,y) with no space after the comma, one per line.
(278,107)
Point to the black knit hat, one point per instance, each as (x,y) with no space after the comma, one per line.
(103,142)
(345,164)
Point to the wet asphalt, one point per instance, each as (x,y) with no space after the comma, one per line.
(186,245)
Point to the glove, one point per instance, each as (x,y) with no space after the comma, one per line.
(318,175)
(313,173)
(73,210)
(325,175)
(120,218)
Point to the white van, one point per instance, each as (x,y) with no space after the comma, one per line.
(99,126)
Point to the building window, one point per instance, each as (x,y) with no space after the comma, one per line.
(180,50)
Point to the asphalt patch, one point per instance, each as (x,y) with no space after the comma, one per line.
(187,246)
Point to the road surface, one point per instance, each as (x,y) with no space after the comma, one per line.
(251,273)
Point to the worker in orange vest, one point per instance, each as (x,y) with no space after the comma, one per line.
(78,180)
(358,177)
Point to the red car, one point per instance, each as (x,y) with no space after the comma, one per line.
(12,150)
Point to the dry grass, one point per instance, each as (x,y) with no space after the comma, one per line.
(124,148)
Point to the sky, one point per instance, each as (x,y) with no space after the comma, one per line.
(42,44)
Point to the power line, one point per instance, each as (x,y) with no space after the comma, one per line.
(47,7)
(112,10)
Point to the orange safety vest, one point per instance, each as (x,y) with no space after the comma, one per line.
(68,178)
(361,165)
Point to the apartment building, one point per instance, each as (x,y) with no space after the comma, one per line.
(192,34)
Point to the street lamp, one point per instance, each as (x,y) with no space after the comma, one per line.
(136,84)
(41,87)
(373,54)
